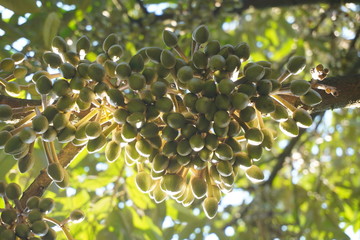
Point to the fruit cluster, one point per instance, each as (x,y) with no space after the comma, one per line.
(187,124)
(30,222)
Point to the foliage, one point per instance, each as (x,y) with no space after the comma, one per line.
(314,194)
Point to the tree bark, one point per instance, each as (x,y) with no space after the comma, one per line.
(348,88)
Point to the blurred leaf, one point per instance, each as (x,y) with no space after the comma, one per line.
(20,6)
(51,27)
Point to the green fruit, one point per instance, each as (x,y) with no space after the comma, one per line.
(176,120)
(52,59)
(200,34)
(217,62)
(12,88)
(83,45)
(26,163)
(164,104)
(96,72)
(311,98)
(68,70)
(46,205)
(143,147)
(43,85)
(40,228)
(299,87)
(9,216)
(242,159)
(160,163)
(109,67)
(123,70)
(159,195)
(296,64)
(115,97)
(210,206)
(233,63)
(110,40)
(254,136)
(197,142)
(60,121)
(115,52)
(205,154)
(65,182)
(254,151)
(15,145)
(50,235)
(150,75)
(247,114)
(195,85)
(22,230)
(77,216)
(72,57)
(55,171)
(40,124)
(198,187)
(203,105)
(167,59)
(137,81)
(234,129)
(212,48)
(239,100)
(255,72)
(222,102)
(154,54)
(58,44)
(242,50)
(35,214)
(264,87)
(254,173)
(224,168)
(169,133)
(224,152)
(136,63)
(184,74)
(95,145)
(170,39)
(226,86)
(265,104)
(65,103)
(33,202)
(183,147)
(234,144)
(220,132)
(228,181)
(67,134)
(302,118)
(280,114)
(18,57)
(5,112)
(4,137)
(222,119)
(13,191)
(61,87)
(158,89)
(7,64)
(172,183)
(93,130)
(289,127)
(20,72)
(268,141)
(144,182)
(136,119)
(211,142)
(169,149)
(200,60)
(128,132)
(120,115)
(50,134)
(209,89)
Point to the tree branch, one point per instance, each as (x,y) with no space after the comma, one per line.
(42,181)
(348,88)
(18,102)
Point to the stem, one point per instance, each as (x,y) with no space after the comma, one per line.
(107,131)
(86,118)
(53,152)
(260,120)
(23,109)
(284,102)
(180,52)
(25,119)
(208,181)
(284,76)
(18,129)
(10,77)
(47,152)
(242,124)
(3,82)
(63,227)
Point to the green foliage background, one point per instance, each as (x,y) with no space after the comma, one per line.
(315,195)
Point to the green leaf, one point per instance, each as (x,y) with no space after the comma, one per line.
(51,27)
(20,6)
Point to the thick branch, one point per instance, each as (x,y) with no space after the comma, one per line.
(348,88)
(18,102)
(42,181)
